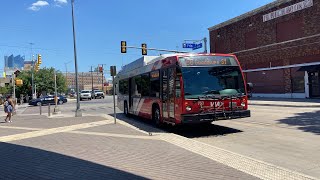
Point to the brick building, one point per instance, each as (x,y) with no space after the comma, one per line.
(278,46)
(85,80)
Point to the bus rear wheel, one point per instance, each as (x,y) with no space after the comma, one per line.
(156,117)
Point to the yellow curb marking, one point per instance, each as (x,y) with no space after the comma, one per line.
(51,131)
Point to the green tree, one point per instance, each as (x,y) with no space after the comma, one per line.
(5,90)
(44,81)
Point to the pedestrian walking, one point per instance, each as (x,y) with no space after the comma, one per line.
(8,108)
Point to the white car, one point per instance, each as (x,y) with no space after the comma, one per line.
(85,94)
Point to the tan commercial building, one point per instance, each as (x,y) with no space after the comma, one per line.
(87,80)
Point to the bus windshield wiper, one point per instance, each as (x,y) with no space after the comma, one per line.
(211,92)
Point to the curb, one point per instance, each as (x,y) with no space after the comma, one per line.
(285,105)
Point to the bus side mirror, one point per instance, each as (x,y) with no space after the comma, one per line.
(249,87)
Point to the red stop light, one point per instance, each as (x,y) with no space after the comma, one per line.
(100,69)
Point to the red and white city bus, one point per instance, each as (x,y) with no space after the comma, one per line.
(183,88)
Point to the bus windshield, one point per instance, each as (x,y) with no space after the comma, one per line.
(215,81)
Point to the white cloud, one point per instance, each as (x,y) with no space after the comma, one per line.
(60,2)
(37,5)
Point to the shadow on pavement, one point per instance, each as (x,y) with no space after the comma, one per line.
(21,162)
(138,122)
(189,131)
(204,130)
(308,121)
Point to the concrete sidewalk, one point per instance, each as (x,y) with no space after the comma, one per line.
(91,147)
(283,102)
(36,147)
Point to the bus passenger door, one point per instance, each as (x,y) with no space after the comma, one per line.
(171,93)
(164,94)
(168,93)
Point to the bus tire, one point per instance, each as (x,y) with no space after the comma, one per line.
(156,117)
(125,109)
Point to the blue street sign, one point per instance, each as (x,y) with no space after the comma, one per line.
(188,45)
(197,46)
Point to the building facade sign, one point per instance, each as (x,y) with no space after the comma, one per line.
(288,10)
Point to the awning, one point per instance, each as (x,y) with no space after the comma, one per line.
(311,68)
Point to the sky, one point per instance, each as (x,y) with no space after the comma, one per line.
(101,25)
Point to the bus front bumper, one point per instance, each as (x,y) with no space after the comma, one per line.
(209,117)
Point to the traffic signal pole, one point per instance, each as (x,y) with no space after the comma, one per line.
(156,49)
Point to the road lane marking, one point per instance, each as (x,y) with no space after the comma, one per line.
(44,132)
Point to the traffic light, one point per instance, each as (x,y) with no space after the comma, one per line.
(37,67)
(144,49)
(19,82)
(100,69)
(17,72)
(123,47)
(113,70)
(39,59)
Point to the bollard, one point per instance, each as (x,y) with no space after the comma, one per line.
(49,114)
(40,109)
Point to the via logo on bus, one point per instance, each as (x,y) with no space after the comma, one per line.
(217,104)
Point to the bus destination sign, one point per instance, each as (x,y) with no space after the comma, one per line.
(207,61)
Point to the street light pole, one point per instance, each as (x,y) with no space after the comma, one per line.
(78,111)
(56,109)
(91,79)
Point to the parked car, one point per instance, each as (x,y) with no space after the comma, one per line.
(72,94)
(47,100)
(97,94)
(85,94)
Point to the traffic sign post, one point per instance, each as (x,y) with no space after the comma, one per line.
(113,73)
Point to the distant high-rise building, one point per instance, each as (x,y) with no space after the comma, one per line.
(14,62)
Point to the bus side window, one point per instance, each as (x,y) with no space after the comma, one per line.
(155,84)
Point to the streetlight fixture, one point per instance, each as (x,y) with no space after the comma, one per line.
(78,110)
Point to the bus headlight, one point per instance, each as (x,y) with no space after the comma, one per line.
(243,104)
(188,108)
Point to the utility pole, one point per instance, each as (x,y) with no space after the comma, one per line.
(102,79)
(32,73)
(91,79)
(78,111)
(14,87)
(102,76)
(67,72)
